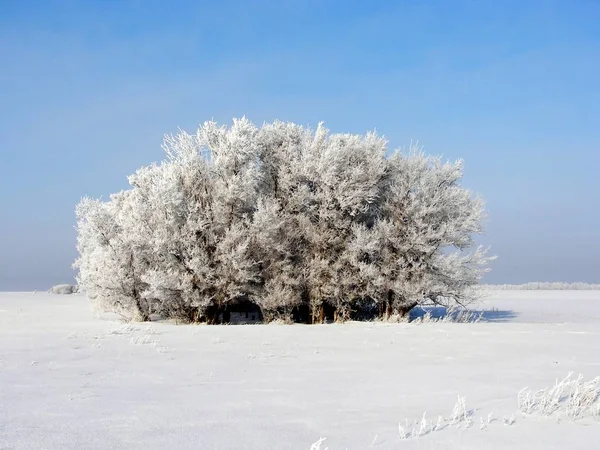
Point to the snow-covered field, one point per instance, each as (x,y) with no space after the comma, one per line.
(70,380)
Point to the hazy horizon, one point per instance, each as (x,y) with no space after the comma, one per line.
(89,90)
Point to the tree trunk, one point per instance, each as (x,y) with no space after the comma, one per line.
(342,313)
(380,310)
(194,314)
(212,315)
(317,314)
(389,310)
(338,315)
(141,313)
(405,309)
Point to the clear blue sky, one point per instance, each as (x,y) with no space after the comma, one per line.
(87,89)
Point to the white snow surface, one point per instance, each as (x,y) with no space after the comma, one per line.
(72,380)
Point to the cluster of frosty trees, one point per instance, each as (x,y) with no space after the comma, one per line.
(302,223)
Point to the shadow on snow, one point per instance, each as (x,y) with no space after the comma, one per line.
(439,312)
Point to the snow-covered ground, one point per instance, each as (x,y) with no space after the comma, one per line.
(70,380)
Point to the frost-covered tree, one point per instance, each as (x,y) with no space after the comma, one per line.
(298,222)
(110,265)
(421,242)
(194,210)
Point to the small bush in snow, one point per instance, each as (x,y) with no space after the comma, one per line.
(508,421)
(317,445)
(572,396)
(63,289)
(460,414)
(424,426)
(452,315)
(395,318)
(402,432)
(439,424)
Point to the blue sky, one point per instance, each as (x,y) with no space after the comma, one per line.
(87,90)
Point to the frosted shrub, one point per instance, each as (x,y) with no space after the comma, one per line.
(462,315)
(402,432)
(582,397)
(424,426)
(452,315)
(526,400)
(302,224)
(63,289)
(572,396)
(460,415)
(396,318)
(508,421)
(317,445)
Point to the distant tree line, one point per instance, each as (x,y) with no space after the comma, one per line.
(549,286)
(303,224)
